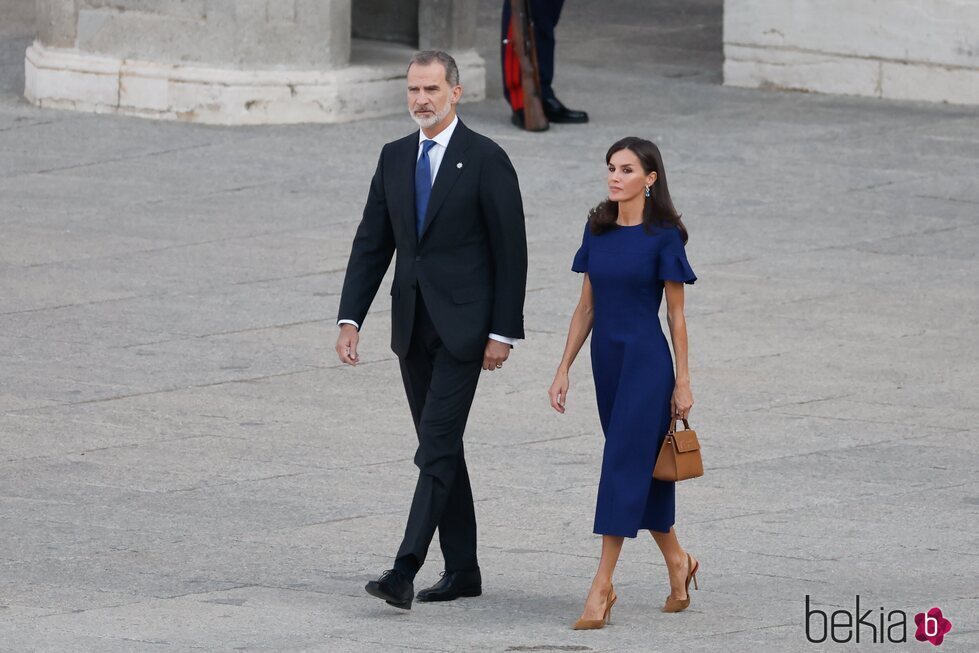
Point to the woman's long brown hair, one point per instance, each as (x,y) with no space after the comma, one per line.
(658,210)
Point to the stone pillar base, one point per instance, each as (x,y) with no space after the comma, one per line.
(898,49)
(824,72)
(372,85)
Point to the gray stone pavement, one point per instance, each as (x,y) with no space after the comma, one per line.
(185,466)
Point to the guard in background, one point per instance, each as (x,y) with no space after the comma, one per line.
(545,15)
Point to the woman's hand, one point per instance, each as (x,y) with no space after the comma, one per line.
(682,401)
(559,391)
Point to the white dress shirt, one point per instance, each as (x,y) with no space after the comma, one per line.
(435,160)
(438,150)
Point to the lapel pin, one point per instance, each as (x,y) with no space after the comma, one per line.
(459,165)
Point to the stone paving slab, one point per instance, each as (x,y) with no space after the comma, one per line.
(185,466)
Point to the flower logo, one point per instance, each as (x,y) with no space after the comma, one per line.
(932,626)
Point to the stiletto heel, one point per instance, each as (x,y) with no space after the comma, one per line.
(595,624)
(694,568)
(608,610)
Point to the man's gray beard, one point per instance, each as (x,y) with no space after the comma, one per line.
(439,116)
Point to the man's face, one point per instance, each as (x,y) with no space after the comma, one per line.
(430,98)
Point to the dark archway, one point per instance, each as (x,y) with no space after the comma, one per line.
(386,20)
(16,33)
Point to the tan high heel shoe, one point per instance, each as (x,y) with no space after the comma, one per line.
(679,605)
(595,624)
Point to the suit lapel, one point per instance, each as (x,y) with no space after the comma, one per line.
(449,171)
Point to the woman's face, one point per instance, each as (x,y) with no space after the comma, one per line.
(626,178)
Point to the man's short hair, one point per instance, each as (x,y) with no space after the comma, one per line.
(426,57)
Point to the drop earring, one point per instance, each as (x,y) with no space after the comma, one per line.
(648,192)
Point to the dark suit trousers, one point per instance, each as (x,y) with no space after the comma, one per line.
(440,392)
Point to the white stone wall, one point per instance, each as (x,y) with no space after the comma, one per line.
(65,79)
(900,49)
(247,34)
(233,62)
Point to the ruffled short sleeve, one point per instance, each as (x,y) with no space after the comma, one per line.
(580,263)
(673,264)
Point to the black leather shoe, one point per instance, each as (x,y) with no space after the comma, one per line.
(557,112)
(453,585)
(394,588)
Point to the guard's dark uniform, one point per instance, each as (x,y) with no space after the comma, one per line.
(545,14)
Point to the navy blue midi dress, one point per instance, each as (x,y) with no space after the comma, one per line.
(633,369)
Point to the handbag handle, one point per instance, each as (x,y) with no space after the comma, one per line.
(672,429)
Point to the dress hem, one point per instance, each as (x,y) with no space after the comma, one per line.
(635,533)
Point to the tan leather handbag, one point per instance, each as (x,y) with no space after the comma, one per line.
(679,457)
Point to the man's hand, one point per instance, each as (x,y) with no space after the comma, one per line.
(347,344)
(495,353)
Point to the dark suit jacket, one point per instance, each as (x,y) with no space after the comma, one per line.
(470,263)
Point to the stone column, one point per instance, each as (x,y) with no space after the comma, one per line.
(225,61)
(900,49)
(450,25)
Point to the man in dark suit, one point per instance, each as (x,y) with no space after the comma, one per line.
(446,200)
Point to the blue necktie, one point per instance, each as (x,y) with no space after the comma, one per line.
(423,185)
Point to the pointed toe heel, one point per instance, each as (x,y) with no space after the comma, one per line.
(595,624)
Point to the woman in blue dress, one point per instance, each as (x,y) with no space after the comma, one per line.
(632,252)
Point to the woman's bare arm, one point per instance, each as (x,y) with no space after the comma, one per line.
(578,330)
(682,396)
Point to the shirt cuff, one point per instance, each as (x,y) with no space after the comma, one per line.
(503,339)
(356,326)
